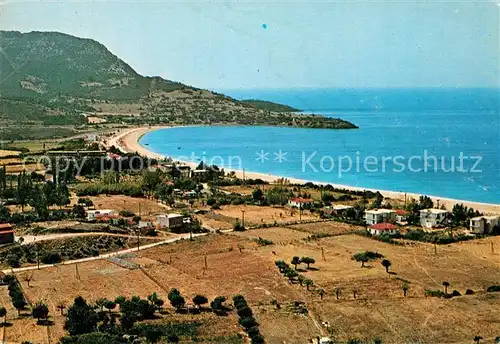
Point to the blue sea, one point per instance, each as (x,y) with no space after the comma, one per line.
(439,142)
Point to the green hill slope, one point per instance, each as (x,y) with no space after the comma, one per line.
(54,79)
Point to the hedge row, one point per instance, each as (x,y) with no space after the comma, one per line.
(247,321)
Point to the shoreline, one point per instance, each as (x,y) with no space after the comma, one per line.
(128,142)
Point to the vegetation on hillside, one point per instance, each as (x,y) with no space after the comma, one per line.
(52,79)
(269,106)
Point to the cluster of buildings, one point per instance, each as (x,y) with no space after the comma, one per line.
(380,221)
(166,221)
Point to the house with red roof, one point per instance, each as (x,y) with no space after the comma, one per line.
(6,233)
(300,202)
(402,216)
(379,228)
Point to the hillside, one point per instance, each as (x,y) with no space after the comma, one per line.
(54,79)
(269,106)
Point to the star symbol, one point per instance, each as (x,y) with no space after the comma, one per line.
(262,156)
(280,156)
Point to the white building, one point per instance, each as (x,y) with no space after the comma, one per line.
(402,216)
(93,215)
(170,220)
(379,228)
(430,218)
(375,216)
(484,224)
(300,202)
(145,224)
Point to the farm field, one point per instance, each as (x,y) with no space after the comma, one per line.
(5,152)
(118,203)
(29,167)
(330,228)
(278,235)
(255,215)
(229,264)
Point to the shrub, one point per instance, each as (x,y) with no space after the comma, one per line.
(51,258)
(493,288)
(248,322)
(126,213)
(469,292)
(456,293)
(434,293)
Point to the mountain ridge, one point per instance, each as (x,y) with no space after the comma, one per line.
(55,78)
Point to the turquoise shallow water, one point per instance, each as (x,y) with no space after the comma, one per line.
(411,141)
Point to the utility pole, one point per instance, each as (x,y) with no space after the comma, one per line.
(38,256)
(243,218)
(138,240)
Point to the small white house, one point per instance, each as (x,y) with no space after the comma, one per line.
(375,216)
(379,228)
(300,202)
(325,340)
(145,224)
(484,224)
(430,218)
(402,216)
(93,215)
(170,220)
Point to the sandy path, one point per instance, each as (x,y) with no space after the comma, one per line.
(128,141)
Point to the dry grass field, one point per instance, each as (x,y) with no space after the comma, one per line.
(7,161)
(331,228)
(29,167)
(258,215)
(4,153)
(228,264)
(278,235)
(245,190)
(145,206)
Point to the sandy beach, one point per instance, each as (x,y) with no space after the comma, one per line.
(128,141)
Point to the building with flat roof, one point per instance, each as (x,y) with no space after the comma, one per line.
(375,216)
(431,218)
(170,221)
(484,224)
(93,215)
(300,202)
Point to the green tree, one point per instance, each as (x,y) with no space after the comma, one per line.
(295,261)
(153,335)
(446,285)
(257,195)
(176,299)
(19,304)
(386,264)
(81,318)
(405,288)
(40,311)
(61,306)
(321,293)
(39,202)
(308,261)
(361,257)
(291,274)
(477,339)
(200,300)
(309,283)
(23,191)
(3,314)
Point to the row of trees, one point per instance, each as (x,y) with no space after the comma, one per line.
(247,320)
